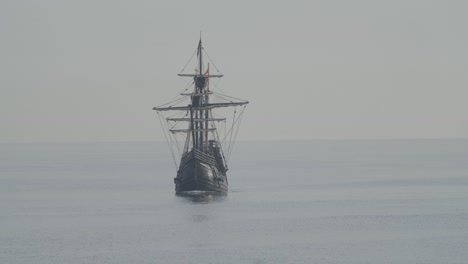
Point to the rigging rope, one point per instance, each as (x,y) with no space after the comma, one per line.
(225,95)
(231,130)
(232,127)
(211,60)
(237,131)
(177,144)
(188,61)
(176,99)
(218,80)
(167,141)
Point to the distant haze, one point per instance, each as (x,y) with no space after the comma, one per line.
(92,70)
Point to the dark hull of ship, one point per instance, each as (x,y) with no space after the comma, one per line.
(200,172)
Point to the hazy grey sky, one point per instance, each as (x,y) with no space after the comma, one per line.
(92,70)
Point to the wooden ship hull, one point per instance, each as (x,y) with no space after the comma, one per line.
(199,171)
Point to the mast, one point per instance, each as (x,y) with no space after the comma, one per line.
(191,126)
(200,108)
(200,82)
(200,57)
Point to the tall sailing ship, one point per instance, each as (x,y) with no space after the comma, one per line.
(197,133)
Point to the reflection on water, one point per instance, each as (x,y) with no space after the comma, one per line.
(201,196)
(201,206)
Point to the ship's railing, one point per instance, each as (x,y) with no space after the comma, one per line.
(204,157)
(186,157)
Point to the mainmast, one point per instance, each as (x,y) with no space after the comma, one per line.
(200,106)
(200,57)
(199,100)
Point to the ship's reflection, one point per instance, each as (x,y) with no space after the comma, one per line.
(201,197)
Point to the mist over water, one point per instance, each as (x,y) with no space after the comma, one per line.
(368,201)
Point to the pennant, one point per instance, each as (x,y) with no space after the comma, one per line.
(199,48)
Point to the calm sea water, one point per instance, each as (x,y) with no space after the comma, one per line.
(395,201)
